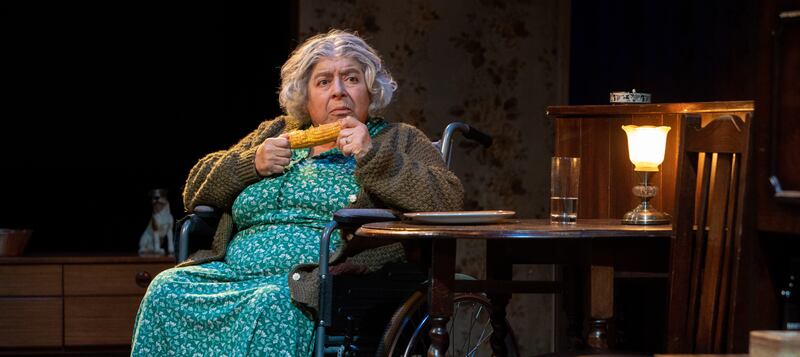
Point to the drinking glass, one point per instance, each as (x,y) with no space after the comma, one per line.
(564,180)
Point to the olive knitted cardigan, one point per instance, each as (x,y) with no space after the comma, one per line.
(402,171)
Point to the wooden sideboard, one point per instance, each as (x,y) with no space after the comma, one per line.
(59,304)
(594,133)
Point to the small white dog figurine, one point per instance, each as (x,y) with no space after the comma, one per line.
(159,228)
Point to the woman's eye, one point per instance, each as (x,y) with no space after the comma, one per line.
(322,82)
(352,79)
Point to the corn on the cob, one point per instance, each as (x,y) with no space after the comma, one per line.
(314,136)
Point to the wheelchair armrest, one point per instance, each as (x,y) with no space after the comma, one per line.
(205,210)
(196,230)
(348,219)
(361,216)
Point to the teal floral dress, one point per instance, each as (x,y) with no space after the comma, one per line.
(241,306)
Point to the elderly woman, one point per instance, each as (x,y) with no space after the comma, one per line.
(252,294)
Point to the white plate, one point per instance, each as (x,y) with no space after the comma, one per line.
(460,217)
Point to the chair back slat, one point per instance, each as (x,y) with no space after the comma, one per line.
(696,246)
(726,285)
(709,211)
(714,247)
(700,195)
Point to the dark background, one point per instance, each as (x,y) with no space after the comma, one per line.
(105,101)
(678,51)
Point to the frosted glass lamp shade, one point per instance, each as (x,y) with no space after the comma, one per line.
(646,145)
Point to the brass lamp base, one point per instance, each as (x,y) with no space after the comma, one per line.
(644,214)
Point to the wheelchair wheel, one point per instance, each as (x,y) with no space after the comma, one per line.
(470,329)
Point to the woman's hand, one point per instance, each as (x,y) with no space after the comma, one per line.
(272,156)
(354,138)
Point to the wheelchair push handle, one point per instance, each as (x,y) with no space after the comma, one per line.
(468,132)
(477,135)
(199,226)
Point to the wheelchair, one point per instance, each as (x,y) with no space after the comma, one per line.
(382,313)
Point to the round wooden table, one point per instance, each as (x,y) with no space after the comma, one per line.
(600,244)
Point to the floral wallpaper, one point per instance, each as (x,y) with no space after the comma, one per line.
(492,64)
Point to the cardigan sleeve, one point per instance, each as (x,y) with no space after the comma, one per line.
(219,177)
(404,171)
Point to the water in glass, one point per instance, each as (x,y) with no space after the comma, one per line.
(563,210)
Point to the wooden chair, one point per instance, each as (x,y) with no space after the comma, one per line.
(706,246)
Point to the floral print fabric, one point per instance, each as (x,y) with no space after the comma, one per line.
(242,306)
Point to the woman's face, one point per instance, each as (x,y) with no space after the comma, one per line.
(336,89)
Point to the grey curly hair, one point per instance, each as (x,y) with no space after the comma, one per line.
(295,72)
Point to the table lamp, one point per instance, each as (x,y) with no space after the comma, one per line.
(646,146)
